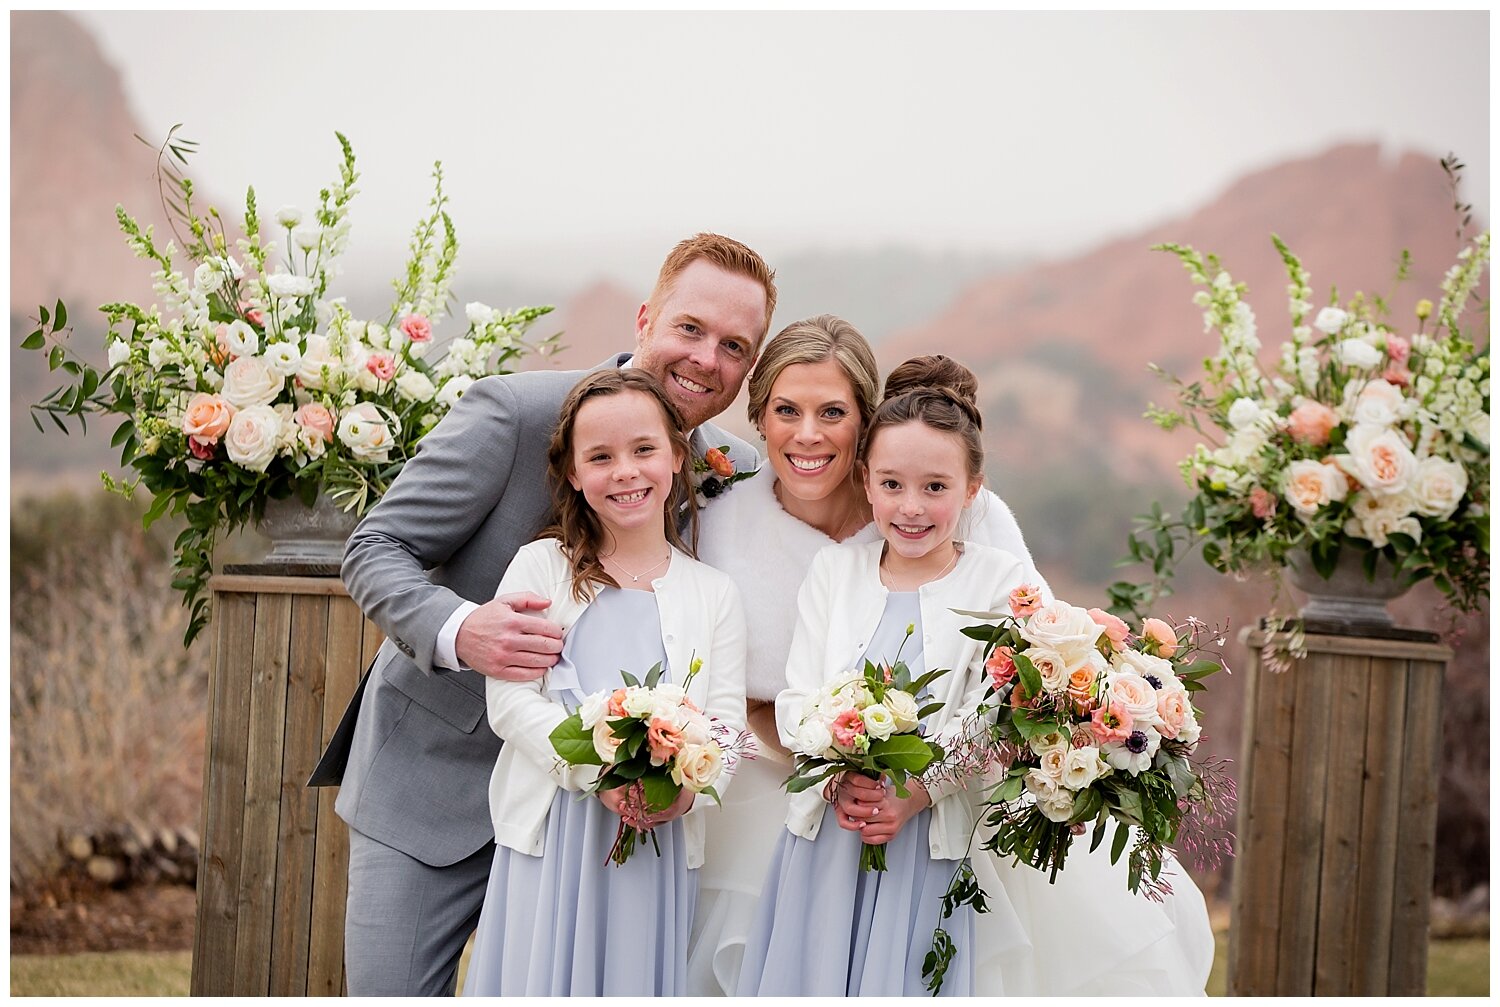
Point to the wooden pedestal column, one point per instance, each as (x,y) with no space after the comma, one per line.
(272,874)
(1337,817)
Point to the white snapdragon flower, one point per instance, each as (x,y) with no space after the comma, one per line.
(160,353)
(119,352)
(479,315)
(1244,413)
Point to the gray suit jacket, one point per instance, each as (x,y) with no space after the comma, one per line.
(415,751)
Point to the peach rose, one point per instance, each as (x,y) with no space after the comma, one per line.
(200,449)
(719,462)
(664,739)
(1173,708)
(1114,626)
(1135,695)
(1311,485)
(417,328)
(207,418)
(1081,683)
(1161,634)
(1025,600)
(1311,423)
(1082,736)
(617,704)
(1379,458)
(316,418)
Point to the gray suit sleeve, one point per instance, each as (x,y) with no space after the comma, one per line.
(435,505)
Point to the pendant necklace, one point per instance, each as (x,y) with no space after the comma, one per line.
(636,577)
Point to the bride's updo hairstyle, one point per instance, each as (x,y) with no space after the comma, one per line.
(938,391)
(812,341)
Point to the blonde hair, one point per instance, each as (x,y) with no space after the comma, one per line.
(726,253)
(574,523)
(812,341)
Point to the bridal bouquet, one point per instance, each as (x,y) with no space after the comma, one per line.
(649,738)
(1368,435)
(865,722)
(249,381)
(1100,725)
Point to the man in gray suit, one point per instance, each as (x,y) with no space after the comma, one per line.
(415,751)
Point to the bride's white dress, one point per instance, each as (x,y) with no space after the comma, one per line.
(1085,934)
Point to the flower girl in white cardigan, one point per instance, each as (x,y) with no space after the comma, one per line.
(824,927)
(559,918)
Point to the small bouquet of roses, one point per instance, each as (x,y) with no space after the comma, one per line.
(865,722)
(650,738)
(1100,725)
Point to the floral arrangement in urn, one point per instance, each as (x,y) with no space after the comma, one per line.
(1369,437)
(248,382)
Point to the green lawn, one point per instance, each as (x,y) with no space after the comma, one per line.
(1454,968)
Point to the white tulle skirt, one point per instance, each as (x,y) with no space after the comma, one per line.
(1029,942)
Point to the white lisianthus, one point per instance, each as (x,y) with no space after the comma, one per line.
(697,767)
(1080,767)
(306,238)
(1379,458)
(119,352)
(250,381)
(284,358)
(1375,403)
(253,437)
(592,709)
(415,386)
(1312,485)
(813,736)
(289,285)
(288,216)
(878,721)
(207,279)
(240,339)
(1331,320)
(479,315)
(904,709)
(1356,353)
(311,443)
(365,432)
(1439,486)
(1244,413)
(417,350)
(453,389)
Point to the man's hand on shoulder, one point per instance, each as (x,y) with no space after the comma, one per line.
(501,639)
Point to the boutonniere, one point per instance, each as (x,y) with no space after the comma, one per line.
(714,473)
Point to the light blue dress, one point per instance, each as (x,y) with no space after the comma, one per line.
(824,927)
(569,922)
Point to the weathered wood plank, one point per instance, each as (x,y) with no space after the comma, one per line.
(262,808)
(247,584)
(1358,646)
(223,797)
(1267,746)
(1385,723)
(1341,874)
(343,666)
(292,921)
(1297,939)
(1416,840)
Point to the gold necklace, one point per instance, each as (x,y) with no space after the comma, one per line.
(888,579)
(636,577)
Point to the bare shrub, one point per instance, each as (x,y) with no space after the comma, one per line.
(107,708)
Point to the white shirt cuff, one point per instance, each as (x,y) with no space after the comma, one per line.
(447,641)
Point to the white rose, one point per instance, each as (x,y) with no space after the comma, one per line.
(605,742)
(1331,320)
(1312,485)
(252,438)
(1051,665)
(694,726)
(1064,628)
(813,736)
(1080,767)
(415,386)
(479,315)
(288,216)
(904,709)
(284,358)
(1135,694)
(878,721)
(1051,799)
(1244,413)
(592,708)
(1053,761)
(240,339)
(1356,353)
(1379,458)
(119,352)
(311,443)
(1041,744)
(453,389)
(639,702)
(1439,486)
(207,278)
(364,431)
(249,381)
(697,767)
(1377,403)
(288,285)
(315,358)
(1375,518)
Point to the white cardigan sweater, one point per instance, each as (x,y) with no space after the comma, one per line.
(838,610)
(701,615)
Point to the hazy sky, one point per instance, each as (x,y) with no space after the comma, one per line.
(584,144)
